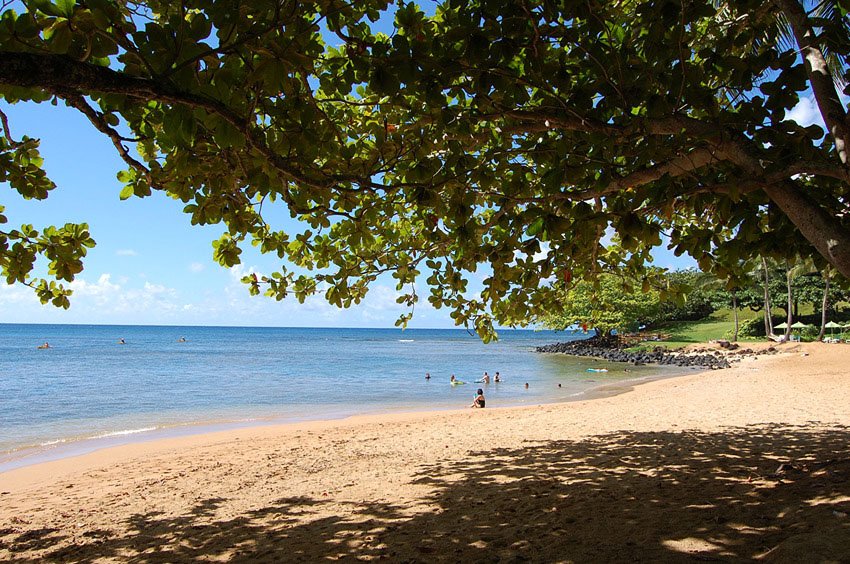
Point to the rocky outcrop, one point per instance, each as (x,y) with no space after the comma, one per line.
(703,358)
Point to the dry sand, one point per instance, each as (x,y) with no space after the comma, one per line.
(749,462)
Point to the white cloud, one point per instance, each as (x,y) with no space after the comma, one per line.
(126,253)
(16,295)
(103,287)
(158,289)
(196,267)
(805,113)
(240,271)
(116,298)
(105,299)
(381,298)
(100,301)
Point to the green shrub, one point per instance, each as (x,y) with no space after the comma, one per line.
(751,327)
(810,333)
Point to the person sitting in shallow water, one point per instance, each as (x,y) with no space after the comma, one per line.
(479,399)
(497,378)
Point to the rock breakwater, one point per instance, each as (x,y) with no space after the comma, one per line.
(703,358)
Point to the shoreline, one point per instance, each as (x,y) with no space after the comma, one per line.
(72,447)
(30,473)
(738,464)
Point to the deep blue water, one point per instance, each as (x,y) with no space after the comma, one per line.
(88,385)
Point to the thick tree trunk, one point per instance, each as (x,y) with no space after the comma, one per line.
(821,229)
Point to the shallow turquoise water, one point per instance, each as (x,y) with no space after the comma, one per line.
(88,385)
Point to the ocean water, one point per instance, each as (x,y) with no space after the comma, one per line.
(89,386)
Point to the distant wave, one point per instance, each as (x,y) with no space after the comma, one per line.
(405,340)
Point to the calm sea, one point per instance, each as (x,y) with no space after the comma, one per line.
(88,385)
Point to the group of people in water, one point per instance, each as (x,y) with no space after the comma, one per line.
(479,401)
(121,341)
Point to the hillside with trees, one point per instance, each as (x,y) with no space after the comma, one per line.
(660,302)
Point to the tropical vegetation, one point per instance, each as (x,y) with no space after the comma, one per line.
(540,141)
(686,302)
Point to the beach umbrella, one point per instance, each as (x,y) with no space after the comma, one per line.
(782,325)
(800,326)
(832,325)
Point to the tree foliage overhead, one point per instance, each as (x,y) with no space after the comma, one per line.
(545,140)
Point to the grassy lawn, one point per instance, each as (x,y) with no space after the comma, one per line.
(718,325)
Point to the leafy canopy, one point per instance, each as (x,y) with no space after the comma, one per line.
(610,304)
(543,140)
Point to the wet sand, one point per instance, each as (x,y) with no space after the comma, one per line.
(749,462)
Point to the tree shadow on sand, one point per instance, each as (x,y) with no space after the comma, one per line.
(779,493)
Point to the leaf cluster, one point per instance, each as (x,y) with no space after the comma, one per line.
(538,141)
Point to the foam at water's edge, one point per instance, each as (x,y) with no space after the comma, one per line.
(123,432)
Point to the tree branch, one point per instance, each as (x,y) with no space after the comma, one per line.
(675,167)
(823,230)
(60,75)
(6,130)
(547,120)
(96,119)
(813,168)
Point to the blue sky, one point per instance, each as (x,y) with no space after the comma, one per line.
(150,266)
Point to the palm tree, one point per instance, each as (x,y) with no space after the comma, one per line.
(805,266)
(768,321)
(789,316)
(827,275)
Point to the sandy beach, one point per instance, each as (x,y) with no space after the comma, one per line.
(739,464)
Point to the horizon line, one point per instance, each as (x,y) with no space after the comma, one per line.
(274,326)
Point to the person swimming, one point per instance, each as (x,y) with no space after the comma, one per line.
(181,340)
(427,375)
(497,378)
(46,345)
(121,341)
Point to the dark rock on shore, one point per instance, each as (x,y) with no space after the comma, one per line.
(703,358)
